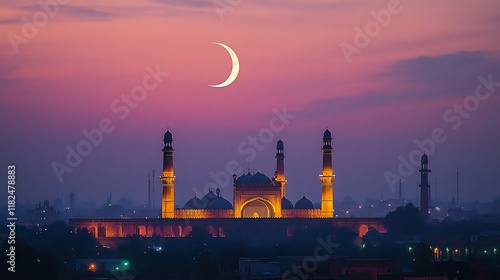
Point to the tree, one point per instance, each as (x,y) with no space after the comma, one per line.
(423,258)
(404,220)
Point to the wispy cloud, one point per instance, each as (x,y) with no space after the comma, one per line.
(65,13)
(419,79)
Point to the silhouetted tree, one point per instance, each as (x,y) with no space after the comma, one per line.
(30,263)
(404,220)
(198,237)
(85,243)
(134,248)
(423,258)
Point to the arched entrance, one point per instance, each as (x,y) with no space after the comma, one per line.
(257,208)
(363,229)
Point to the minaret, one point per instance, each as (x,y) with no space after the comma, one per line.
(327,176)
(280,167)
(424,188)
(400,195)
(167,177)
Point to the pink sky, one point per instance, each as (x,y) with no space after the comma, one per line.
(64,79)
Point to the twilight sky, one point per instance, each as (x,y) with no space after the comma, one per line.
(431,69)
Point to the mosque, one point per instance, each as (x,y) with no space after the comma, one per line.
(259,207)
(254,195)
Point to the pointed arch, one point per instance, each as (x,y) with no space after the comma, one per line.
(266,202)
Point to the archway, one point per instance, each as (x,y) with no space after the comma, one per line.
(257,208)
(167,231)
(158,230)
(128,230)
(363,229)
(141,230)
(101,231)
(92,231)
(211,231)
(186,231)
(149,231)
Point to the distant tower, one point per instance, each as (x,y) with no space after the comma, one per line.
(280,166)
(457,187)
(424,188)
(72,201)
(149,192)
(109,200)
(400,195)
(167,177)
(327,176)
(153,186)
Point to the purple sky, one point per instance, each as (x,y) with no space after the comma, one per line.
(410,77)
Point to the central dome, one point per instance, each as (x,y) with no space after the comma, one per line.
(255,179)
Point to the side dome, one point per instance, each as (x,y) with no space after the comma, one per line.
(286,204)
(193,203)
(205,201)
(220,203)
(304,203)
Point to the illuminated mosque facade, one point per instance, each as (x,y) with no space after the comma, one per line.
(259,209)
(254,195)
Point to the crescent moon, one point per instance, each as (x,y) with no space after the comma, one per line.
(234,71)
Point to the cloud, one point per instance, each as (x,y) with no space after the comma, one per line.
(424,78)
(73,13)
(448,74)
(85,13)
(192,3)
(7,70)
(290,4)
